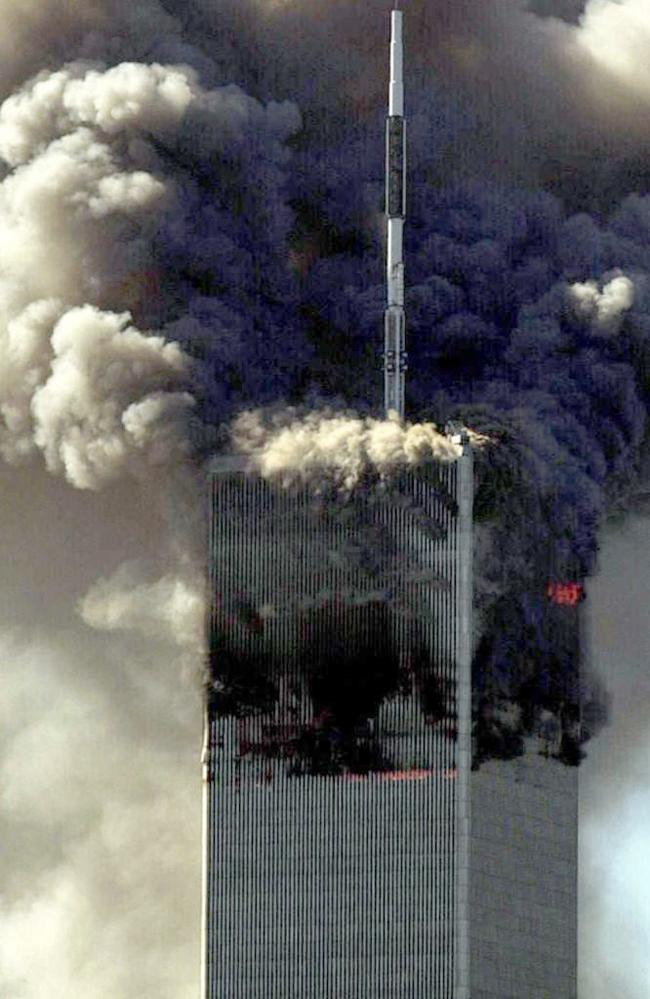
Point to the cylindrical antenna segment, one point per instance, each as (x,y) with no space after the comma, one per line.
(394,319)
(396,88)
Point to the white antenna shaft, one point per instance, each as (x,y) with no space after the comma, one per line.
(394,317)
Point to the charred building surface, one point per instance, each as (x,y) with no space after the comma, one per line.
(342,603)
(337,752)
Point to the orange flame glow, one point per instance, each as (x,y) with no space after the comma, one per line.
(564,594)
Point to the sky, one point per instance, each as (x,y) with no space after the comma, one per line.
(614,792)
(190,240)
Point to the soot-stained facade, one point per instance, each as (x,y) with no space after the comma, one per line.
(337,752)
(351,851)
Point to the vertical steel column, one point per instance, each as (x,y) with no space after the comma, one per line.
(464,600)
(207,873)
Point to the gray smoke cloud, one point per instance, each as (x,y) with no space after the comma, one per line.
(95,850)
(99,735)
(171,607)
(101,633)
(554,87)
(557,97)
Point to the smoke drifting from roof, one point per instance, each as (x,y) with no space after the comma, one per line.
(339,449)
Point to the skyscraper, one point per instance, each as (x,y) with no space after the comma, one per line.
(337,738)
(349,850)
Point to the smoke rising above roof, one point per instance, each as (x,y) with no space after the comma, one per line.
(335,448)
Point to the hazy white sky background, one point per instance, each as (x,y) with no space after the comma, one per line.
(99,745)
(615,787)
(100,587)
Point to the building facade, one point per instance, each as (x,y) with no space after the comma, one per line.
(349,849)
(523,878)
(337,745)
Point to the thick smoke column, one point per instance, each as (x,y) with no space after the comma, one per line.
(191,229)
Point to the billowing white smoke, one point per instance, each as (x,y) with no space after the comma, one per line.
(92,393)
(324,447)
(79,208)
(171,608)
(614,794)
(152,99)
(93,728)
(603,308)
(616,34)
(79,213)
(94,851)
(101,632)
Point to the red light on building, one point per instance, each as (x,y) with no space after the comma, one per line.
(565,594)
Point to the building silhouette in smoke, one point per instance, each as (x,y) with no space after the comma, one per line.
(375,802)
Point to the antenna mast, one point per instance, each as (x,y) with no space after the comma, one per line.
(394,317)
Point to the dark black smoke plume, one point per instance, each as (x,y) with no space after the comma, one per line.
(527,311)
(525,321)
